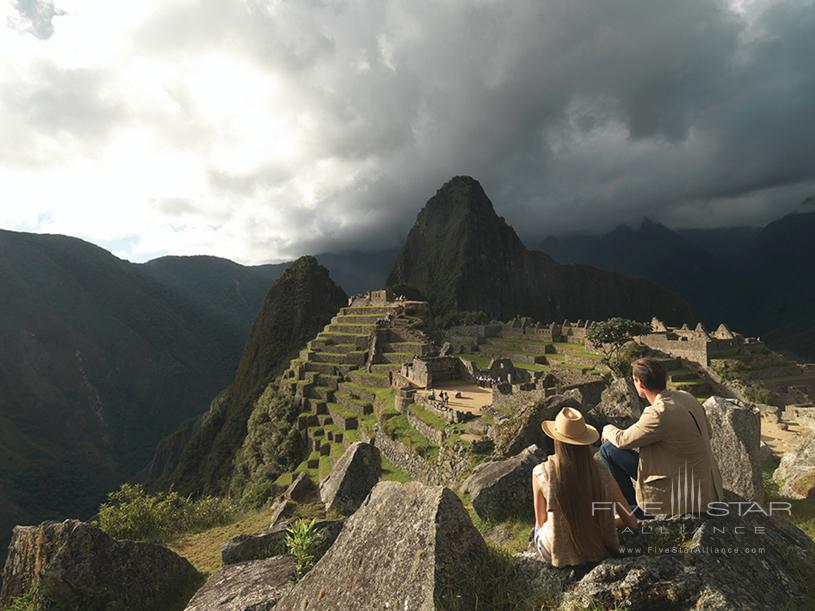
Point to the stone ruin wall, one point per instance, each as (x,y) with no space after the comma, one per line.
(433,435)
(425,372)
(448,469)
(691,348)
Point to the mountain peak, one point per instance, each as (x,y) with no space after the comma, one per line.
(463,256)
(461,194)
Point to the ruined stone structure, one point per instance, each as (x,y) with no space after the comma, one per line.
(380,297)
(464,337)
(425,371)
(698,345)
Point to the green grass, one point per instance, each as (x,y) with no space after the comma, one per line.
(391,472)
(802,511)
(343,411)
(428,417)
(483,362)
(399,428)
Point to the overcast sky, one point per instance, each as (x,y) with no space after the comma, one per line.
(261,130)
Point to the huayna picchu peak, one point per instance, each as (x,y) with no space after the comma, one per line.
(462,256)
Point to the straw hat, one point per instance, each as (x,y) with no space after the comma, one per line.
(570,427)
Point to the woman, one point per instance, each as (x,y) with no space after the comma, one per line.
(575,497)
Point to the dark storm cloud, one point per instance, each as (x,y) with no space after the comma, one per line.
(575,115)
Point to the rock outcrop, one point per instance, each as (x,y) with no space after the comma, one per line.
(523,429)
(247,586)
(352,478)
(796,471)
(407,547)
(736,444)
(272,543)
(722,563)
(75,566)
(619,405)
(502,489)
(462,256)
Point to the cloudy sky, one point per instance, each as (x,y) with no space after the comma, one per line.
(263,129)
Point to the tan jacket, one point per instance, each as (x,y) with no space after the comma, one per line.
(677,470)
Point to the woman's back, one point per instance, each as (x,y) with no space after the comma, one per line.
(594,536)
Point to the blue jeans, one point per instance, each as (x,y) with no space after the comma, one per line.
(623,467)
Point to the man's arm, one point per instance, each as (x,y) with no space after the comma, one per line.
(647,430)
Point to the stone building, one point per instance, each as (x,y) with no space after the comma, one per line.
(698,345)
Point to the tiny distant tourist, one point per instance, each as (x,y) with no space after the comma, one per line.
(575,497)
(667,451)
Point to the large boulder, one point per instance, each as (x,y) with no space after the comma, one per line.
(619,405)
(272,543)
(796,471)
(722,563)
(736,444)
(409,546)
(75,566)
(352,478)
(503,489)
(247,586)
(523,428)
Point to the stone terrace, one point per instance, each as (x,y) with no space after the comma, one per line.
(341,380)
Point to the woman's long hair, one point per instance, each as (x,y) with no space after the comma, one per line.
(578,484)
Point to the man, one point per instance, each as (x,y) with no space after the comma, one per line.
(675,470)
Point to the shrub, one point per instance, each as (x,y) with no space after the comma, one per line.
(256,495)
(131,513)
(306,544)
(758,393)
(30,601)
(272,446)
(630,352)
(611,335)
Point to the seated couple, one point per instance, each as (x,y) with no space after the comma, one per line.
(580,498)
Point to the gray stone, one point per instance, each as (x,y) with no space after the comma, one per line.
(409,546)
(796,471)
(281,507)
(300,488)
(502,489)
(619,405)
(352,478)
(735,442)
(700,572)
(76,566)
(272,543)
(523,428)
(248,586)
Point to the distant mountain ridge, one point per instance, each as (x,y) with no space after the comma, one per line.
(101,359)
(462,256)
(755,279)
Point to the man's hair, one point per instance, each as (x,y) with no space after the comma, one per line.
(651,373)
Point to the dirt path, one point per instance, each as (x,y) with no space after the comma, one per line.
(778,440)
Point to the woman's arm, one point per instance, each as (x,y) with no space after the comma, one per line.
(621,505)
(539,501)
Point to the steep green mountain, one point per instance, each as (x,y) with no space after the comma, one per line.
(229,292)
(462,256)
(301,301)
(102,358)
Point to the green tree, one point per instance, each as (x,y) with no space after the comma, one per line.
(611,335)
